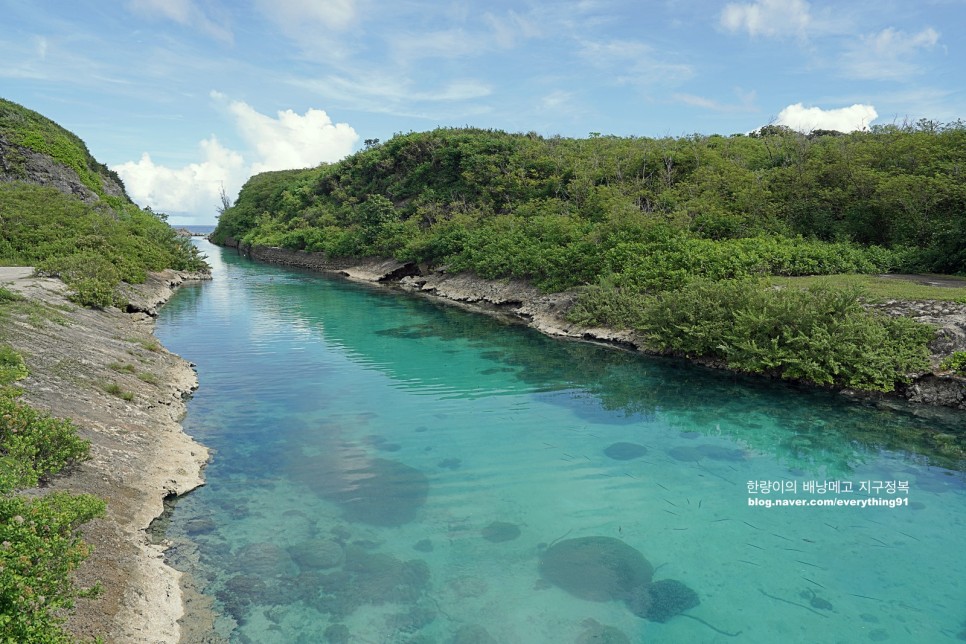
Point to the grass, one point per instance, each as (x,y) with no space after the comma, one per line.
(878,288)
(122,368)
(115,390)
(148,344)
(149,378)
(36,313)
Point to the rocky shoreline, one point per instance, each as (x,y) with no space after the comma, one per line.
(127,395)
(546,313)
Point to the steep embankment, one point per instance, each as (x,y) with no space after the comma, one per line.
(126,393)
(84,331)
(547,313)
(36,150)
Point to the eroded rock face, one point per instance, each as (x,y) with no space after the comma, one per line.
(946,391)
(948,317)
(23,164)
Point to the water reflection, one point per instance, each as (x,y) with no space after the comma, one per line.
(391,470)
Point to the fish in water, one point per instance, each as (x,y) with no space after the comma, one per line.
(815,601)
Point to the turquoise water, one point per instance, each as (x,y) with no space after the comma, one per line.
(388,470)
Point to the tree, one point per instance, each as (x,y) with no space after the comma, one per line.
(225,200)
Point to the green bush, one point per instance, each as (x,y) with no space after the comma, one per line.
(955,363)
(821,335)
(39,549)
(6,296)
(12,367)
(91,247)
(39,542)
(606,305)
(34,445)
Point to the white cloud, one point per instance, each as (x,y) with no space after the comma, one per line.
(451,43)
(183,12)
(193,188)
(500,32)
(316,26)
(634,63)
(844,119)
(772,18)
(288,141)
(292,140)
(888,55)
(746,101)
(556,100)
(301,14)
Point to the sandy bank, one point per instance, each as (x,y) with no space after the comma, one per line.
(139,453)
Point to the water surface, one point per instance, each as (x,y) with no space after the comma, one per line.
(389,470)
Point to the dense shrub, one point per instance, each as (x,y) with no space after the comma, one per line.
(39,549)
(895,188)
(955,363)
(646,227)
(92,248)
(821,335)
(39,542)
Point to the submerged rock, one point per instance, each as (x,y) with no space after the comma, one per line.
(372,578)
(375,491)
(317,554)
(595,568)
(500,531)
(662,600)
(625,451)
(337,634)
(597,633)
(265,560)
(472,634)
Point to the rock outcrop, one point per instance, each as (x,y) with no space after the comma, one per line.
(139,454)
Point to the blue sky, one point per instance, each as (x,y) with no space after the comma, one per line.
(182,97)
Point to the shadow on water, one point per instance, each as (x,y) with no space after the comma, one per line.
(807,429)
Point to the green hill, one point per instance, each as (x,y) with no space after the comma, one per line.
(650,229)
(68,215)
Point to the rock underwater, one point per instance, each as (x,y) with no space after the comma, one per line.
(606,569)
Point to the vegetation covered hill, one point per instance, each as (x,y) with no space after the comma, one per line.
(662,235)
(68,215)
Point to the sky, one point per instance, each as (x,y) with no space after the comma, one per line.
(186,98)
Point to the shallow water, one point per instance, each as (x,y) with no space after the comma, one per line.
(389,470)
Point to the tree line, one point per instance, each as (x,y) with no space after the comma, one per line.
(631,220)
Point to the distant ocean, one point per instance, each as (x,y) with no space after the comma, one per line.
(198,230)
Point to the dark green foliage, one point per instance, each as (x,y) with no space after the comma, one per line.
(820,335)
(34,445)
(12,367)
(955,363)
(6,295)
(563,212)
(635,222)
(28,129)
(92,248)
(39,542)
(39,548)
